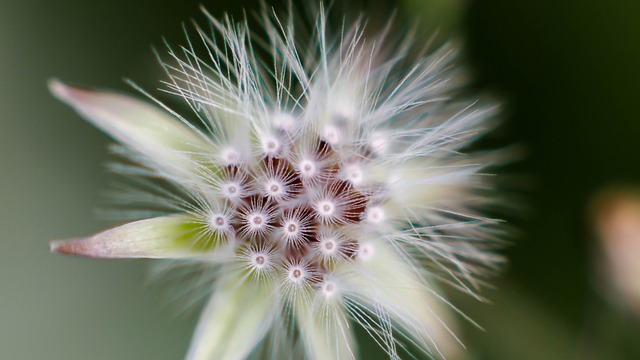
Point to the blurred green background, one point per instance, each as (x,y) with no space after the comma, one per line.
(570,71)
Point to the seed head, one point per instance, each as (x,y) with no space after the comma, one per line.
(328,186)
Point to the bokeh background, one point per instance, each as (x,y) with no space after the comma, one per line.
(569,71)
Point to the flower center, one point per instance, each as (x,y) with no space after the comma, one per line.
(278,207)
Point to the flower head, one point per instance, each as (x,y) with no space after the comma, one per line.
(327,186)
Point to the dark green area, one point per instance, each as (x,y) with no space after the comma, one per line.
(570,72)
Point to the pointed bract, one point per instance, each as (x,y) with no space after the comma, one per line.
(170,237)
(168,143)
(236,318)
(326,331)
(387,281)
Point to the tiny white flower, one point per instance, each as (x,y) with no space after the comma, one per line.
(354,174)
(230,156)
(297,228)
(328,187)
(271,145)
(332,246)
(375,215)
(307,168)
(260,260)
(329,289)
(284,121)
(378,142)
(366,251)
(331,134)
(232,190)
